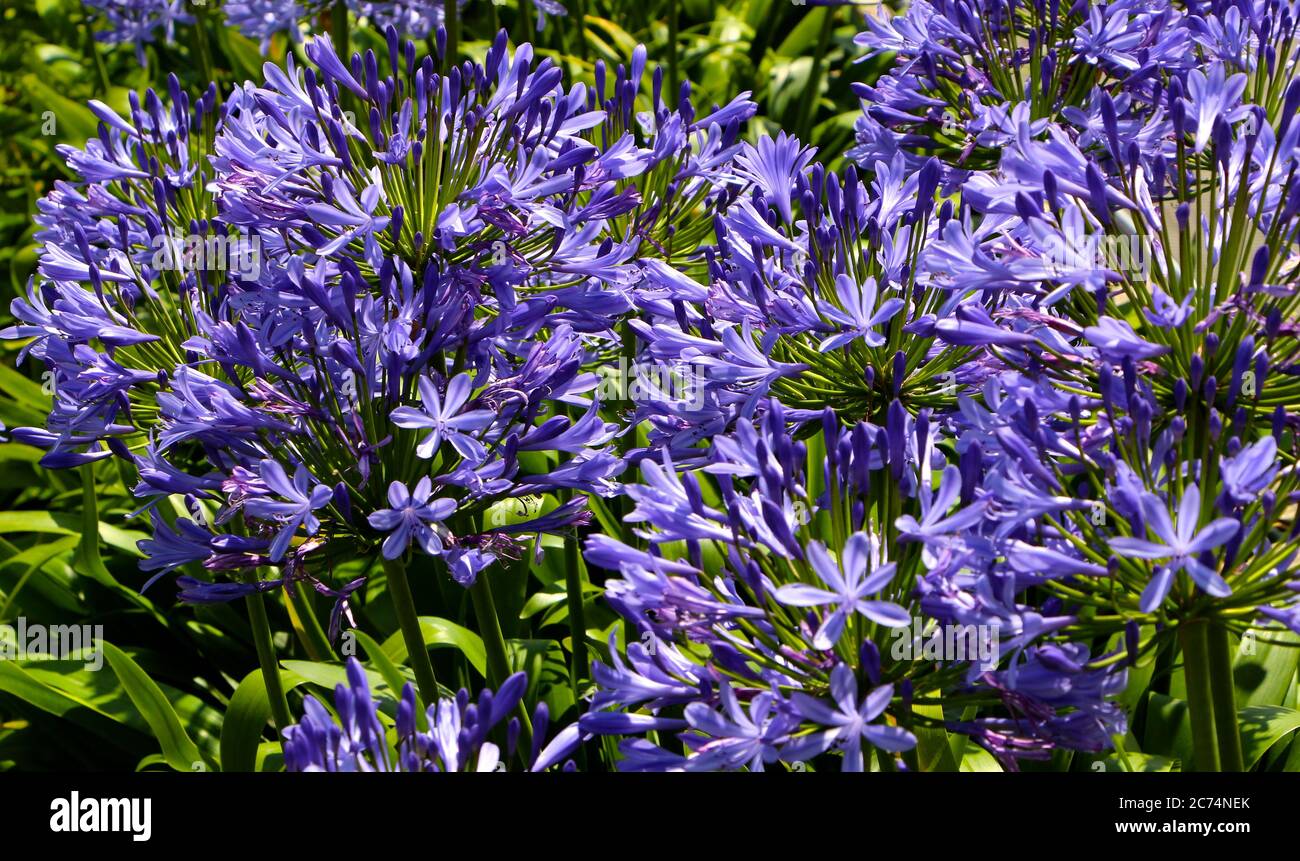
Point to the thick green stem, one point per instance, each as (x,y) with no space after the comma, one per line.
(417,653)
(307,626)
(573,583)
(1224,697)
(494,644)
(808,110)
(451,21)
(93,49)
(580,17)
(339,30)
(579,668)
(577,614)
(201,41)
(1196,672)
(673,79)
(261,627)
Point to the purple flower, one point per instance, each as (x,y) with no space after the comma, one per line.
(848,722)
(171,547)
(136,21)
(262,19)
(299,500)
(850,586)
(415,18)
(773,165)
(935,522)
(466,563)
(1180,542)
(456,738)
(412,515)
(1211,97)
(1110,34)
(1249,473)
(733,737)
(1116,341)
(442,415)
(860,314)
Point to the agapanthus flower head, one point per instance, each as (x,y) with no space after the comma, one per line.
(770,593)
(967,76)
(1145,410)
(365,738)
(823,290)
(435,263)
(138,22)
(263,19)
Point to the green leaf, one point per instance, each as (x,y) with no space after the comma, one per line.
(934,753)
(60,523)
(1136,761)
(1262,727)
(242,52)
(17,682)
(1168,728)
(74,121)
(443,632)
(330,675)
(52,588)
(1263,678)
(540,601)
(979,759)
(24,391)
(177,746)
(88,559)
(375,653)
(246,718)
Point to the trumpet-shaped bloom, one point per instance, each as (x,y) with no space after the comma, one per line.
(850,583)
(1181,541)
(413,516)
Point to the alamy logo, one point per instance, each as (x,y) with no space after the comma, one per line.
(34,642)
(1129,254)
(74,814)
(211,253)
(678,383)
(948,643)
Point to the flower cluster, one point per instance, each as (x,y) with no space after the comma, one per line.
(1076,378)
(421,271)
(783,608)
(136,22)
(453,735)
(417,19)
(939,444)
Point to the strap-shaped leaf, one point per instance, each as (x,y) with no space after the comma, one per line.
(178,748)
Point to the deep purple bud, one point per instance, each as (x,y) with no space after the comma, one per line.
(1109,123)
(869,655)
(895,428)
(1259,266)
(1240,364)
(971,466)
(1097,193)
